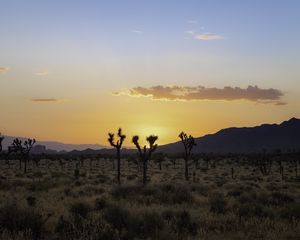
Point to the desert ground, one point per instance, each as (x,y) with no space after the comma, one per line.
(226,197)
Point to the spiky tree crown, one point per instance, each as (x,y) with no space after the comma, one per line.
(18,146)
(151,140)
(111,139)
(188,142)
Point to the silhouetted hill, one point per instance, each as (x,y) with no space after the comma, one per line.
(57,146)
(284,136)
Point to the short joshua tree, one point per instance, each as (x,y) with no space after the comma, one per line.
(23,149)
(144,153)
(117,145)
(265,163)
(188,143)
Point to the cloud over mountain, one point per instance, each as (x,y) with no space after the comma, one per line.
(3,69)
(44,100)
(186,93)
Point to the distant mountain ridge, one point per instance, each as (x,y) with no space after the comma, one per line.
(271,137)
(284,137)
(57,146)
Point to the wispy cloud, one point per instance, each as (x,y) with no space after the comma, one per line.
(44,100)
(209,37)
(42,73)
(191,32)
(4,69)
(136,31)
(186,93)
(192,21)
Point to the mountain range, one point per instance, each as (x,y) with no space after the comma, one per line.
(57,146)
(271,137)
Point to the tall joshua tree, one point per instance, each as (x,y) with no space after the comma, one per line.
(1,139)
(144,153)
(188,143)
(117,145)
(23,149)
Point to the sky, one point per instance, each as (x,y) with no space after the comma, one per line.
(72,71)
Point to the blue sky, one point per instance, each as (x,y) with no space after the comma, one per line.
(83,51)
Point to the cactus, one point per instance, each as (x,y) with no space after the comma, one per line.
(23,149)
(117,145)
(188,143)
(144,153)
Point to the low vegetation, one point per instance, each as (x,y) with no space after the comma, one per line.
(223,196)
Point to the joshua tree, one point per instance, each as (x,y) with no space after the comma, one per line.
(144,154)
(265,164)
(188,143)
(159,158)
(23,149)
(1,139)
(117,145)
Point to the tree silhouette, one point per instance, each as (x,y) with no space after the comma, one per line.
(1,139)
(117,145)
(188,143)
(265,163)
(144,153)
(23,149)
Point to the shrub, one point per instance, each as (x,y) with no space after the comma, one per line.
(291,212)
(14,219)
(278,198)
(118,217)
(31,201)
(101,203)
(174,194)
(184,225)
(218,203)
(149,224)
(80,210)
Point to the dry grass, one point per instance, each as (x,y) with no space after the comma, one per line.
(49,202)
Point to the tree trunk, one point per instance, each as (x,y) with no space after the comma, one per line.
(144,171)
(119,165)
(25,165)
(186,172)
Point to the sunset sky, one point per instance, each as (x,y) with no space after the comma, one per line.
(72,71)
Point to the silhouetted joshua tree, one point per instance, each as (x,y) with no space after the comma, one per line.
(23,149)
(1,139)
(265,164)
(188,143)
(144,153)
(117,145)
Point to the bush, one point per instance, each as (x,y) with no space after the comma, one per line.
(218,203)
(291,212)
(184,225)
(149,224)
(118,217)
(279,199)
(161,194)
(101,203)
(31,201)
(249,210)
(80,210)
(174,194)
(16,219)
